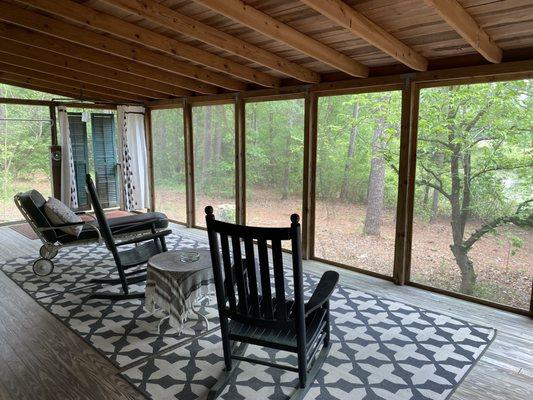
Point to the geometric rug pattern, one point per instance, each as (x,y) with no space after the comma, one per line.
(380,348)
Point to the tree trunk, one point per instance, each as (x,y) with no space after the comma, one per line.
(207,143)
(351,152)
(217,156)
(426,196)
(287,170)
(376,186)
(439,159)
(468,275)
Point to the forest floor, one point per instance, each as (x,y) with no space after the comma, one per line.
(504,273)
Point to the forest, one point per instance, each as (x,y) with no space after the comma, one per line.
(473,219)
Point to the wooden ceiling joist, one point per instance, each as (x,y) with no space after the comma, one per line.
(26,58)
(65,90)
(463,23)
(116,95)
(59,29)
(180,23)
(357,23)
(125,30)
(261,22)
(98,58)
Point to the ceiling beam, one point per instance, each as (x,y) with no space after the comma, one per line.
(264,23)
(97,58)
(50,26)
(357,23)
(136,84)
(24,59)
(126,30)
(463,23)
(69,83)
(180,23)
(38,84)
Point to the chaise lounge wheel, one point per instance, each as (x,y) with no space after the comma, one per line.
(48,251)
(43,267)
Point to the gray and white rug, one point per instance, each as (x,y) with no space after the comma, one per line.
(381,348)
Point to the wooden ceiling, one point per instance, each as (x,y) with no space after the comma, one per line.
(143,50)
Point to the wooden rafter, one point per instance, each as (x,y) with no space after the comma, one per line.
(120,28)
(357,23)
(137,84)
(463,23)
(38,84)
(261,22)
(99,58)
(21,59)
(69,83)
(184,24)
(50,26)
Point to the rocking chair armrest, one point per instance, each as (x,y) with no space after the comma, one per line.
(145,238)
(322,292)
(118,228)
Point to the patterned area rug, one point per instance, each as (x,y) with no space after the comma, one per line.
(381,349)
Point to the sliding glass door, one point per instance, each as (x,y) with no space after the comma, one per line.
(473,201)
(356,180)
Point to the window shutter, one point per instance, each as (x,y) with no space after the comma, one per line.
(105,158)
(78,139)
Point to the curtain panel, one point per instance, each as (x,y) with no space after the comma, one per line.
(133,157)
(69,191)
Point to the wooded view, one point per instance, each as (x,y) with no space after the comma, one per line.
(24,149)
(473,203)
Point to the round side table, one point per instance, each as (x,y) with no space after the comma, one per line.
(176,285)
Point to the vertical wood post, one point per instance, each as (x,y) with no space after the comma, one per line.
(309,174)
(55,166)
(240,160)
(150,150)
(406,182)
(189,162)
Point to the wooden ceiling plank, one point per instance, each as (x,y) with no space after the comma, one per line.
(261,22)
(73,84)
(180,23)
(129,31)
(80,94)
(357,23)
(463,23)
(50,26)
(24,58)
(98,58)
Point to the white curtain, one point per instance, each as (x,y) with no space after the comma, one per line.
(133,157)
(69,192)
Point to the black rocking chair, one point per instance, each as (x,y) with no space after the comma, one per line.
(251,312)
(145,247)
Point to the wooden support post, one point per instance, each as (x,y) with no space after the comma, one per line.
(309,174)
(406,182)
(55,165)
(240,160)
(150,151)
(189,162)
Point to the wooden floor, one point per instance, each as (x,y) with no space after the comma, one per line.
(42,359)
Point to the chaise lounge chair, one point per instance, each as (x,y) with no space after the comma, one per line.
(31,205)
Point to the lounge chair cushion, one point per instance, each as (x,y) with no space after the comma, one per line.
(58,214)
(121,225)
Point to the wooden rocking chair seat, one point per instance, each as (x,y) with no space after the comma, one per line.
(279,338)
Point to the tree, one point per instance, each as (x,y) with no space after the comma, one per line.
(478,132)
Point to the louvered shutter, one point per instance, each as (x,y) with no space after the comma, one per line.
(105,158)
(78,139)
